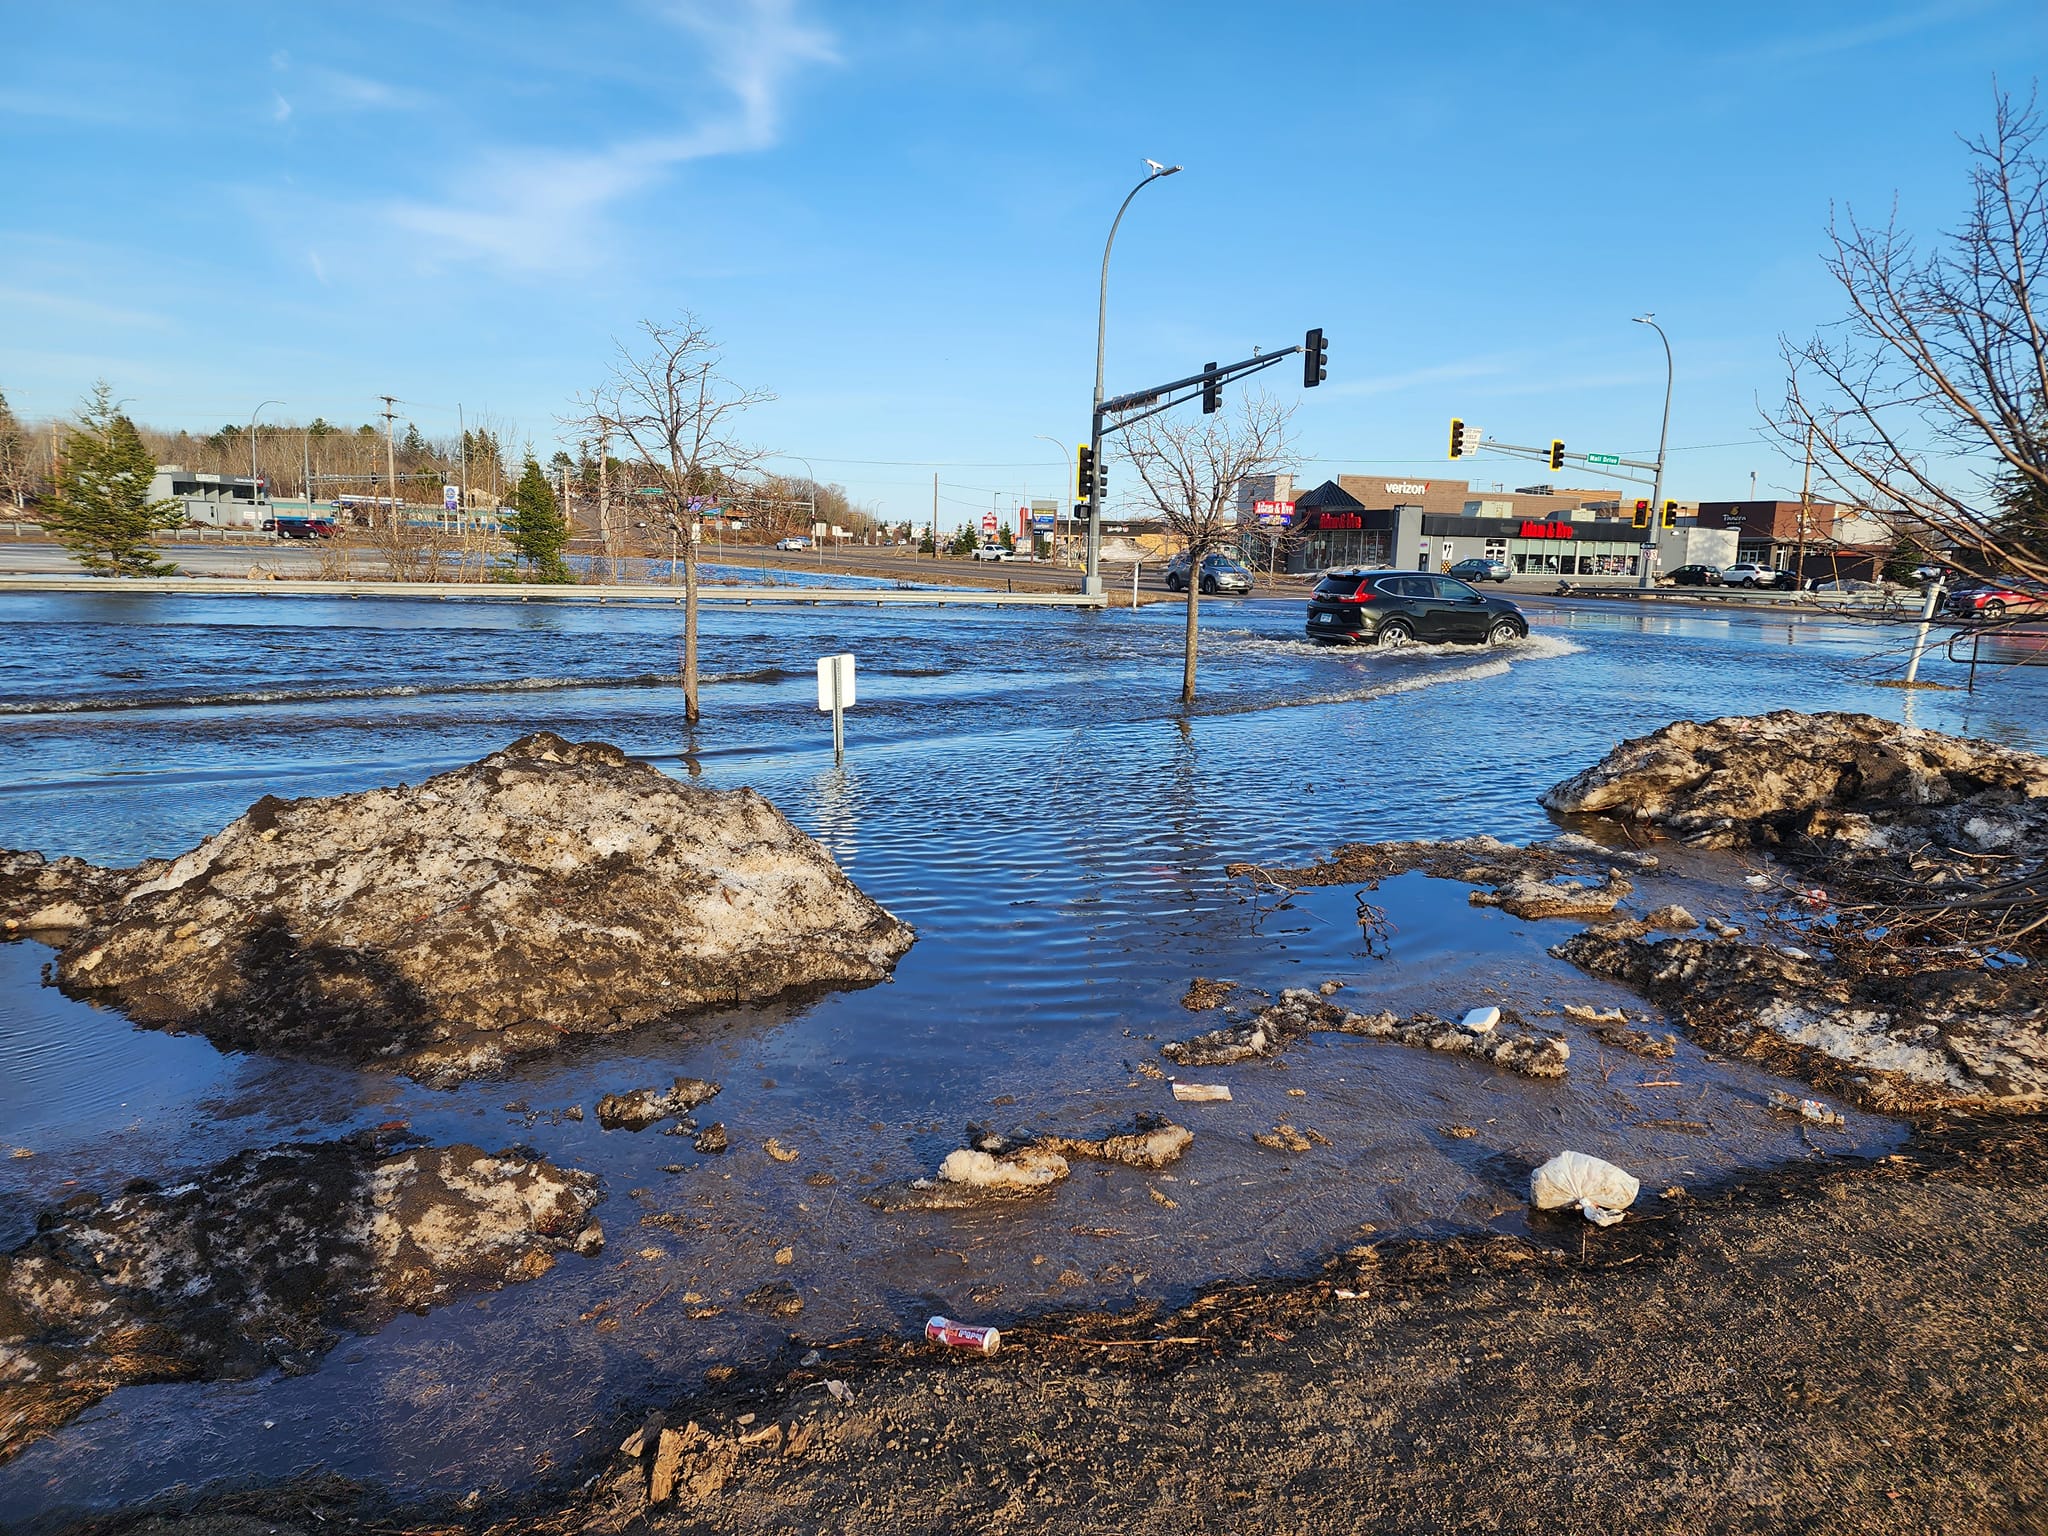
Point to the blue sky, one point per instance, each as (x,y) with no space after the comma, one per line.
(892,214)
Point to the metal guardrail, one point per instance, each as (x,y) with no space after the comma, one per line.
(2018,627)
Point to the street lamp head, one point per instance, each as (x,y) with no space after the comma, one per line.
(1649,317)
(1161,170)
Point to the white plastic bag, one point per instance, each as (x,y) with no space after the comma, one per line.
(1600,1190)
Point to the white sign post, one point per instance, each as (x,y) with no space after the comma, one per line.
(835,693)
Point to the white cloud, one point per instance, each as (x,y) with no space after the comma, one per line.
(359,92)
(280,109)
(538,209)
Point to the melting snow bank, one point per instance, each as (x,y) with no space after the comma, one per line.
(1300,1012)
(1743,780)
(1567,876)
(992,1167)
(265,1260)
(1913,976)
(552,889)
(1950,1038)
(1909,907)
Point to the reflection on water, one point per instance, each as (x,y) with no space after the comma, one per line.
(1019,786)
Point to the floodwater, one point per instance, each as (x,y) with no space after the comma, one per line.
(1019,785)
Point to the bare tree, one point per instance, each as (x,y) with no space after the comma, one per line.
(15,450)
(1930,397)
(1188,470)
(680,414)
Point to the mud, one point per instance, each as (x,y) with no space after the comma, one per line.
(265,1261)
(549,891)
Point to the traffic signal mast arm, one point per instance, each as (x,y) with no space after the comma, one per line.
(1606,462)
(1193,384)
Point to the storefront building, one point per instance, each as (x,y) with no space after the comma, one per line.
(1537,533)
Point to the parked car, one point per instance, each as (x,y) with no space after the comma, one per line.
(1994,600)
(1695,576)
(1220,573)
(299,527)
(1481,568)
(1394,608)
(1750,574)
(992,552)
(792,543)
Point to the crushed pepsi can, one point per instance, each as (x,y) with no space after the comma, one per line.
(943,1330)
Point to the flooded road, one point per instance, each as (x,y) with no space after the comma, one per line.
(1023,789)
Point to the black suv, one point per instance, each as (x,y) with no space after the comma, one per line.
(1402,607)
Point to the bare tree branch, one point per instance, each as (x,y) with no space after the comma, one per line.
(1928,402)
(680,415)
(1188,470)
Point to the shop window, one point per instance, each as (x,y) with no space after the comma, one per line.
(1496,549)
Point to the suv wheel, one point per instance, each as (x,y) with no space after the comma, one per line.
(1395,633)
(1994,609)
(1505,631)
(1208,585)
(1172,582)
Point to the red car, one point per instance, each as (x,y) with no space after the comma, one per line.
(1994,600)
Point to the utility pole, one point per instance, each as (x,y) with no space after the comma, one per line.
(390,461)
(462,456)
(935,495)
(306,466)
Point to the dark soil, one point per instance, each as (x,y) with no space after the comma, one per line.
(1840,1347)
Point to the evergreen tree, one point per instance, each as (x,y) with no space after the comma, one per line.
(537,530)
(1006,539)
(2022,519)
(101,511)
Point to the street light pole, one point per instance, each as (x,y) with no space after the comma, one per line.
(1091,581)
(1663,435)
(1058,494)
(252,448)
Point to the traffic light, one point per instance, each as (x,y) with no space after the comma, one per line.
(1642,511)
(1212,390)
(1084,473)
(1457,438)
(1315,359)
(1556,453)
(1670,514)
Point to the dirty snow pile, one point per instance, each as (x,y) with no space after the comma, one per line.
(1301,1012)
(1944,1038)
(552,889)
(1746,779)
(262,1261)
(993,1167)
